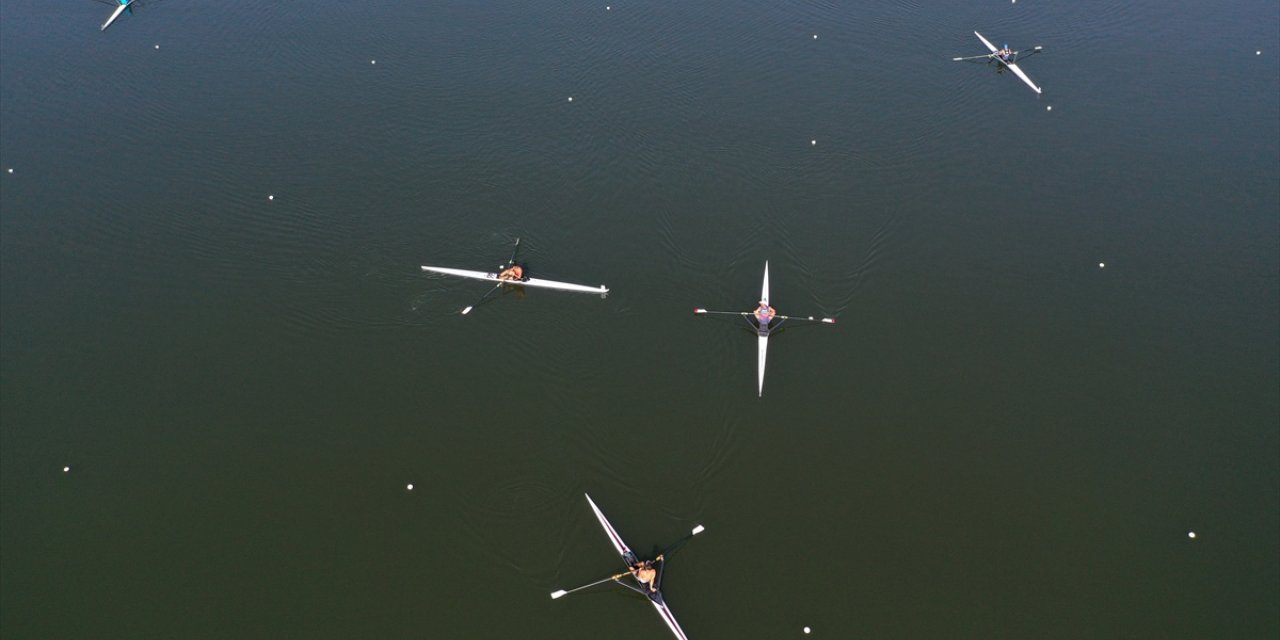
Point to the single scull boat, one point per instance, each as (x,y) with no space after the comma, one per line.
(630,559)
(763,329)
(1008,64)
(121,7)
(527,282)
(493,276)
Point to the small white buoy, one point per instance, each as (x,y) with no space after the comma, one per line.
(271,197)
(66,469)
(10,169)
(1258,52)
(1102,265)
(373,62)
(815,36)
(807,630)
(157,46)
(813,143)
(1191,534)
(1049,108)
(409,486)
(607,8)
(570,98)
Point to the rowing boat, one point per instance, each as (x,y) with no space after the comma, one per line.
(527,282)
(629,558)
(124,6)
(1012,66)
(763,331)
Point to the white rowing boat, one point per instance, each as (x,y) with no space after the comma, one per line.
(1012,66)
(528,282)
(764,335)
(629,558)
(763,330)
(124,5)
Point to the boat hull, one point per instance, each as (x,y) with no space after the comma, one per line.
(629,559)
(1009,65)
(124,6)
(763,340)
(529,282)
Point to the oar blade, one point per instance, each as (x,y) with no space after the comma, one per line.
(467,310)
(698,529)
(829,320)
(555,595)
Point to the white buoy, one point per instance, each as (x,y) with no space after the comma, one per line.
(66,469)
(1102,265)
(409,486)
(10,169)
(570,98)
(807,630)
(1049,108)
(373,62)
(272,197)
(607,8)
(815,36)
(157,46)
(813,143)
(1258,53)
(1191,534)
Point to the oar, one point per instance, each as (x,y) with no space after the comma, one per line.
(679,543)
(562,593)
(808,319)
(482,298)
(555,595)
(488,293)
(700,311)
(1034,50)
(988,56)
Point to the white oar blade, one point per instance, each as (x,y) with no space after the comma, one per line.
(696,310)
(556,594)
(467,310)
(829,320)
(698,529)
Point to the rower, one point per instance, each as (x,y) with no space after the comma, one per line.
(644,573)
(1005,53)
(513,272)
(764,313)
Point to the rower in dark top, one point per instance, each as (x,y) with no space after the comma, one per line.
(764,314)
(514,272)
(1005,53)
(645,573)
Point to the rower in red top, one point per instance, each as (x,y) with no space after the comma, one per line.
(764,313)
(513,272)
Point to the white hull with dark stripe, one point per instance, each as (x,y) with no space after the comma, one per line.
(629,558)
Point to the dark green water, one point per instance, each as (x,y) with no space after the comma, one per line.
(998,439)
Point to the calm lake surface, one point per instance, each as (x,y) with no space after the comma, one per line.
(212,218)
